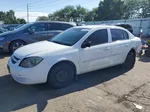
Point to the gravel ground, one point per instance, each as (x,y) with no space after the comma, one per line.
(108,90)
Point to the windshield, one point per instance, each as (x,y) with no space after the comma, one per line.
(24,26)
(70,37)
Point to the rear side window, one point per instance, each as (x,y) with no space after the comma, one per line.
(118,34)
(125,34)
(66,26)
(98,37)
(54,26)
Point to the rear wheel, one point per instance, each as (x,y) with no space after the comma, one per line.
(61,75)
(130,60)
(16,44)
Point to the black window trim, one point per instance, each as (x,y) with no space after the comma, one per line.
(95,31)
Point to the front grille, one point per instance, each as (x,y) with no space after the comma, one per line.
(14,59)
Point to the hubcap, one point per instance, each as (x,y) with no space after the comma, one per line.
(17,45)
(61,75)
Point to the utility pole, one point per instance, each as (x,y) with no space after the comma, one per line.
(28,13)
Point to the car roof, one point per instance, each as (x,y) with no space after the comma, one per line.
(71,23)
(99,26)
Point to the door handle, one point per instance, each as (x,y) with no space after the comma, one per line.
(107,48)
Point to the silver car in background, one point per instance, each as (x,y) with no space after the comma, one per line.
(30,33)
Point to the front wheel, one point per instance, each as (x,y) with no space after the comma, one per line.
(130,60)
(61,75)
(15,45)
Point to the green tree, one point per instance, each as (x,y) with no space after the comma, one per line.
(68,13)
(137,9)
(111,9)
(91,15)
(21,21)
(144,9)
(133,9)
(42,18)
(65,14)
(9,18)
(79,13)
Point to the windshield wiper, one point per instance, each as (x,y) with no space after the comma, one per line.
(61,43)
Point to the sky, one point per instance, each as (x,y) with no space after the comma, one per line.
(42,7)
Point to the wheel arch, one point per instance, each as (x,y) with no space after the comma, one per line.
(133,51)
(14,41)
(64,61)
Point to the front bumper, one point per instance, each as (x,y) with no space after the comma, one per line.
(28,76)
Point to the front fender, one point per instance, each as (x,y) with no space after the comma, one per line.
(63,59)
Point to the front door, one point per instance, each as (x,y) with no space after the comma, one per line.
(98,55)
(39,33)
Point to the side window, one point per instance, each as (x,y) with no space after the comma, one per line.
(54,26)
(98,37)
(125,34)
(118,34)
(38,27)
(66,26)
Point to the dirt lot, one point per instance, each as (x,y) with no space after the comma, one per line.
(109,90)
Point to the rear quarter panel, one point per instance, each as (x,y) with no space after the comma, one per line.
(136,44)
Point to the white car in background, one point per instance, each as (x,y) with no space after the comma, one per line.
(78,50)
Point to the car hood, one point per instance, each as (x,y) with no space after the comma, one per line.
(37,48)
(7,33)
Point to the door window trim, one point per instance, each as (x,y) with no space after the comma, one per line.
(122,33)
(108,35)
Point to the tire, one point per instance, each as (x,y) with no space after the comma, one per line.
(130,60)
(15,45)
(61,75)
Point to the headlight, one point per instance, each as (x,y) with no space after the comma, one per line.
(30,62)
(2,38)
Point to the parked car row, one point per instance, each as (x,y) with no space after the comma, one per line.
(30,33)
(78,50)
(11,27)
(2,30)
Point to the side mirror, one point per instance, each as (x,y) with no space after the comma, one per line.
(31,31)
(86,44)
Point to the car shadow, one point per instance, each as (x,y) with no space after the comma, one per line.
(15,96)
(144,59)
(3,55)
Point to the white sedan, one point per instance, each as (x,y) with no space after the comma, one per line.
(78,50)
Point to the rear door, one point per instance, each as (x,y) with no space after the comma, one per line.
(39,33)
(121,45)
(54,29)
